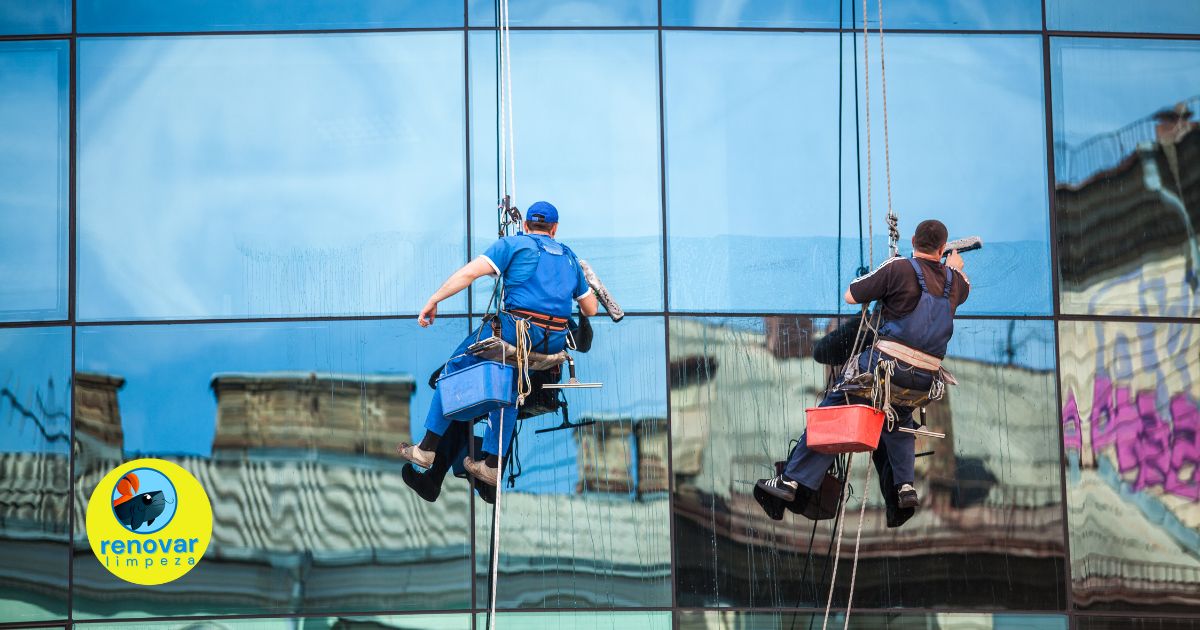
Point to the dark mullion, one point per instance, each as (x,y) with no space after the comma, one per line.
(666,301)
(35,324)
(37,37)
(311,31)
(1122,35)
(72,51)
(1051,177)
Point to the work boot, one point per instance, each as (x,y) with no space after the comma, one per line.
(481,471)
(779,487)
(420,483)
(414,454)
(908,496)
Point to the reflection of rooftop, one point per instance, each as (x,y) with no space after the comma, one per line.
(349,413)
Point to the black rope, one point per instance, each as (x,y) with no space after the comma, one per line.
(841,55)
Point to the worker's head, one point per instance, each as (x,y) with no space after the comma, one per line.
(930,237)
(541,217)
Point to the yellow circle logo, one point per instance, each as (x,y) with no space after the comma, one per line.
(149,521)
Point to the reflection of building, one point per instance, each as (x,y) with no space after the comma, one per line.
(623,456)
(1134,215)
(97,411)
(305,493)
(992,490)
(304,410)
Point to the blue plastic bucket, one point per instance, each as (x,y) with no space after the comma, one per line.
(477,390)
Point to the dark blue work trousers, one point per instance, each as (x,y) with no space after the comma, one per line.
(808,467)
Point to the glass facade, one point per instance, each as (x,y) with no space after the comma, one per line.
(218,221)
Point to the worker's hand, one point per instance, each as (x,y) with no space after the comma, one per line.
(954,261)
(428,314)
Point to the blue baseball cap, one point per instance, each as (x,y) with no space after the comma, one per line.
(542,211)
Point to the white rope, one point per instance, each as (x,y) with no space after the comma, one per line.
(507,153)
(837,553)
(862,511)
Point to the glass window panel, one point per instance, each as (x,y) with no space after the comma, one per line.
(1127,165)
(751,13)
(1145,16)
(586,128)
(34,126)
(990,490)
(586,525)
(577,620)
(1130,424)
(300,420)
(968,146)
(752,190)
(1008,15)
(35,439)
(575,13)
(247,176)
(157,16)
(730,620)
(1136,623)
(35,17)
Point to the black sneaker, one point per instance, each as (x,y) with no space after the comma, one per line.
(420,483)
(778,487)
(908,496)
(772,506)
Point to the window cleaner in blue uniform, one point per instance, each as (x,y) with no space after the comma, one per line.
(542,282)
(918,296)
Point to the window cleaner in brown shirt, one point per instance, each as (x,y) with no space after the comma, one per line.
(918,297)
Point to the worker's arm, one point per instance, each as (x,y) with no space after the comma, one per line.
(873,286)
(588,304)
(850,297)
(457,281)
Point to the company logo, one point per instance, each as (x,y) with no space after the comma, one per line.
(149,521)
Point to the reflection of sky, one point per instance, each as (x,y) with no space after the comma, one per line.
(1147,16)
(168,407)
(34,17)
(1139,77)
(35,363)
(250,175)
(958,14)
(749,149)
(568,12)
(102,16)
(949,14)
(586,129)
(33,180)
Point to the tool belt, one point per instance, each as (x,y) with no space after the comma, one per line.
(549,322)
(911,356)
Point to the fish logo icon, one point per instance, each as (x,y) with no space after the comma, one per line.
(144,501)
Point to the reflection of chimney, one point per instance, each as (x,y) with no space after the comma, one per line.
(789,337)
(1172,124)
(97,410)
(623,456)
(339,413)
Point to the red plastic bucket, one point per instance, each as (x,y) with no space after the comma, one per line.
(844,428)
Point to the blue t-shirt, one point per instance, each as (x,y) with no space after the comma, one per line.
(517,258)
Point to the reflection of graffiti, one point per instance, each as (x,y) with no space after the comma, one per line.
(1155,450)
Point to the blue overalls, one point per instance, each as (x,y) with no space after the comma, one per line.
(927,328)
(548,292)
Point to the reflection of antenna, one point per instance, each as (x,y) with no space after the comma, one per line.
(39,421)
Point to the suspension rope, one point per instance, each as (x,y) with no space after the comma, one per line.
(837,551)
(507,224)
(892,221)
(862,511)
(867,108)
